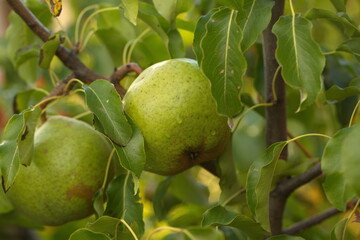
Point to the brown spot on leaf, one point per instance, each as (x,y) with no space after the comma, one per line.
(26,132)
(81,190)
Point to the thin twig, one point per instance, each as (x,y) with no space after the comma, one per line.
(69,58)
(287,186)
(120,73)
(314,220)
(301,147)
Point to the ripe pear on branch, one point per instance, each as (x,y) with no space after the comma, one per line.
(172,104)
(67,169)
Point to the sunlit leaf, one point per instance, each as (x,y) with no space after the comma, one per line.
(259,182)
(337,186)
(299,57)
(105,103)
(217,46)
(255,17)
(166,8)
(163,28)
(131,9)
(48,50)
(123,203)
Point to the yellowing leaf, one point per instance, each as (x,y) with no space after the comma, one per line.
(55,7)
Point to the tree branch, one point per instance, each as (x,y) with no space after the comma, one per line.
(120,73)
(287,186)
(314,220)
(68,57)
(276,129)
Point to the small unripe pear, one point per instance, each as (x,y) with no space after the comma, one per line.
(67,168)
(172,104)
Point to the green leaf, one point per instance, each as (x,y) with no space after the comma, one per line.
(229,183)
(9,150)
(159,197)
(339,5)
(286,237)
(131,9)
(351,46)
(98,203)
(163,28)
(24,54)
(132,157)
(5,204)
(86,234)
(299,57)
(105,224)
(217,46)
(123,203)
(339,229)
(17,144)
(336,93)
(167,9)
(184,5)
(346,24)
(105,103)
(234,4)
(206,233)
(350,157)
(259,183)
(48,50)
(26,142)
(255,16)
(186,188)
(19,36)
(27,98)
(29,71)
(337,188)
(219,215)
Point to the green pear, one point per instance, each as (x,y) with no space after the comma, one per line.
(67,168)
(172,104)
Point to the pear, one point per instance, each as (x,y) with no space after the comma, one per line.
(172,104)
(67,168)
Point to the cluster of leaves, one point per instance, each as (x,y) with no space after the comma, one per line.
(324,75)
